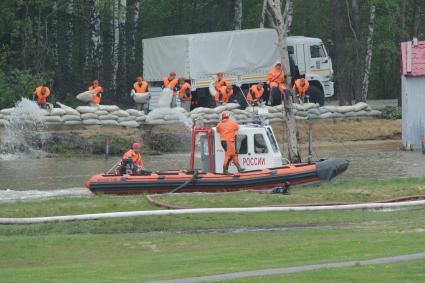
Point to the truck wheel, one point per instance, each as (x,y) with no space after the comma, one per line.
(316,95)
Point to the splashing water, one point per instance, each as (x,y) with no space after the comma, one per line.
(25,120)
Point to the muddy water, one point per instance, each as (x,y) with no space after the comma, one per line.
(33,178)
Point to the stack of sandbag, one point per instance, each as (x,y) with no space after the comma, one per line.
(71,116)
(54,116)
(4,116)
(168,116)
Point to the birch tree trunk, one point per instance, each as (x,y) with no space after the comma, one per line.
(115,45)
(237,22)
(94,54)
(132,20)
(368,63)
(281,20)
(416,18)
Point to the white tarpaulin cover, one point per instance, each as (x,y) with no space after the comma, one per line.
(199,56)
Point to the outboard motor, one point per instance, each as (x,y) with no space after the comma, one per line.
(127,166)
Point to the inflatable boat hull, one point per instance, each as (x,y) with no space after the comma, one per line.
(168,181)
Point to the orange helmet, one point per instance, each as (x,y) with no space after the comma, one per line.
(225,115)
(136,146)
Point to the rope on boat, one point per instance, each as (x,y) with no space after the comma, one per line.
(111,215)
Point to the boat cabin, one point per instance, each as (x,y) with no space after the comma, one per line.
(256,146)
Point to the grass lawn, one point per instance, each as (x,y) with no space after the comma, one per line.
(406,272)
(356,191)
(175,246)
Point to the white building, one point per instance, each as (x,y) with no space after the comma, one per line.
(413,93)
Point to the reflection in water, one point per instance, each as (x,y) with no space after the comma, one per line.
(33,175)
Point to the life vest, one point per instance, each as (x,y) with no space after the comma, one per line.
(136,157)
(96,90)
(41,93)
(140,88)
(227,130)
(276,78)
(223,95)
(258,93)
(218,84)
(298,88)
(171,84)
(183,90)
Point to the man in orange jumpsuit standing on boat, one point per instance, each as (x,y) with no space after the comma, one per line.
(227,130)
(134,154)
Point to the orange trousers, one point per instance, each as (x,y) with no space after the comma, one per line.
(229,147)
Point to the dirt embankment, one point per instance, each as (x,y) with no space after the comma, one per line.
(175,137)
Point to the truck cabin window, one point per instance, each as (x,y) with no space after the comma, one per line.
(260,145)
(317,51)
(241,144)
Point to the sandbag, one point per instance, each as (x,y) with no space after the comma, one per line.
(231,106)
(1,116)
(71,118)
(165,98)
(220,109)
(57,119)
(301,114)
(181,110)
(134,112)
(121,113)
(326,115)
(109,108)
(108,117)
(87,116)
(6,111)
(361,113)
(360,106)
(374,113)
(141,119)
(279,107)
(212,116)
(109,122)
(68,110)
(141,97)
(344,109)
(212,89)
(239,111)
(86,96)
(129,118)
(350,114)
(203,110)
(301,118)
(337,115)
(156,121)
(313,116)
(101,112)
(72,122)
(57,112)
(86,109)
(331,108)
(91,122)
(323,110)
(129,124)
(313,111)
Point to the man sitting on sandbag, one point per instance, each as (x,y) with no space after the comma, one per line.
(185,94)
(97,90)
(140,92)
(222,97)
(41,93)
(255,94)
(171,82)
(300,90)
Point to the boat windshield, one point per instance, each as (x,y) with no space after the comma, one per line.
(272,139)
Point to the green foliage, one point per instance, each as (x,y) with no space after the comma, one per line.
(117,144)
(392,113)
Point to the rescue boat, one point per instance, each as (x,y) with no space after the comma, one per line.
(258,153)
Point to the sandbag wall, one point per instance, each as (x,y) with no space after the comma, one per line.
(111,115)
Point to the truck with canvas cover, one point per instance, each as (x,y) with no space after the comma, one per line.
(244,56)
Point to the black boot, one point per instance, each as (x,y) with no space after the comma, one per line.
(226,169)
(240,169)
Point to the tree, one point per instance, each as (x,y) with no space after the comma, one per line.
(354,21)
(237,24)
(416,18)
(368,63)
(281,20)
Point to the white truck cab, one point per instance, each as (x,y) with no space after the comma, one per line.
(256,147)
(310,55)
